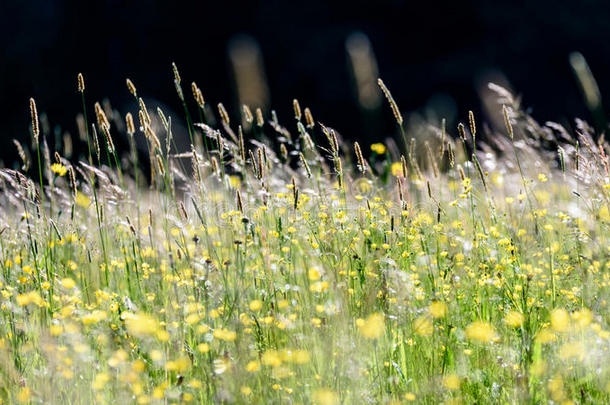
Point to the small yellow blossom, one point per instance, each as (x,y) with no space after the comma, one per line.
(373,326)
(325,397)
(423,326)
(378,148)
(59,169)
(313,274)
(396,169)
(24,394)
(480,331)
(514,319)
(560,320)
(68,283)
(437,309)
(451,382)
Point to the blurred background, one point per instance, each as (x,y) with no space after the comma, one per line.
(435,58)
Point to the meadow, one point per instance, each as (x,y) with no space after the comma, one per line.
(283,264)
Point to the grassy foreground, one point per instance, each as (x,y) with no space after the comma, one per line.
(279,265)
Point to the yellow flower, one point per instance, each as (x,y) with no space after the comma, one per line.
(373,327)
(192,319)
(556,387)
(300,356)
(572,350)
(59,169)
(56,330)
(224,334)
(100,381)
(313,274)
(319,286)
(82,200)
(235,181)
(30,298)
(68,283)
(159,392)
(604,213)
(451,382)
(583,317)
(437,309)
(141,324)
(396,169)
(253,366)
(423,326)
(560,320)
(157,355)
(514,319)
(378,148)
(480,331)
(162,335)
(94,317)
(24,394)
(545,336)
(195,383)
(271,358)
(256,305)
(180,365)
(538,368)
(325,397)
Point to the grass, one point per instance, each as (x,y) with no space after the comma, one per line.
(266,268)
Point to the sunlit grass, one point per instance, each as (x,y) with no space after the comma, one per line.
(274,265)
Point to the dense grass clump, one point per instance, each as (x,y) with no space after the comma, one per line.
(267,264)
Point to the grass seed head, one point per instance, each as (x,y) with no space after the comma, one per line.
(462,132)
(35,125)
(131,129)
(305,164)
(224,116)
(96,142)
(242,145)
(176,73)
(72,177)
(131,87)
(102,119)
(247,114)
(309,118)
(21,152)
(198,95)
(359,158)
(509,126)
(108,137)
(259,118)
(144,111)
(239,202)
(390,99)
(297,109)
(81,83)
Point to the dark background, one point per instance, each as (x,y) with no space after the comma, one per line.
(423,49)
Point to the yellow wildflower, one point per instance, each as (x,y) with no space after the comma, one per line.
(480,331)
(378,148)
(373,327)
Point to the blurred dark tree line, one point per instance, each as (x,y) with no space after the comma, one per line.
(433,56)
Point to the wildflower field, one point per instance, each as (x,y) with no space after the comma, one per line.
(282,264)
